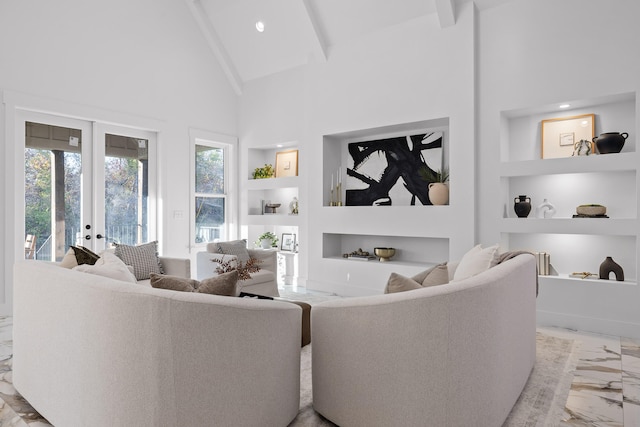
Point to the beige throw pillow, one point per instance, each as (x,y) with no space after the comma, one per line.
(437,275)
(108,265)
(475,261)
(224,284)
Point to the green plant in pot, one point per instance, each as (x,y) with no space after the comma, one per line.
(267,240)
(264,172)
(438,187)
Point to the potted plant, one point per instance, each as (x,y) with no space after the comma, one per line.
(438,184)
(267,240)
(264,172)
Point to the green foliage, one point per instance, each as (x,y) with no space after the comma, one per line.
(267,235)
(264,172)
(209,170)
(430,175)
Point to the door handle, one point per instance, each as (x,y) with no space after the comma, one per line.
(100,236)
(88,237)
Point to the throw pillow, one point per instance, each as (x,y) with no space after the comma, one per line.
(143,258)
(223,284)
(78,255)
(235,247)
(399,283)
(475,261)
(438,275)
(108,265)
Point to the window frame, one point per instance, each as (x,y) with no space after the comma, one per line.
(229,146)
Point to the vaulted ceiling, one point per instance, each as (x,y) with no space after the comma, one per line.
(299,31)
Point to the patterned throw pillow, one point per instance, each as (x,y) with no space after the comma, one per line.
(78,255)
(235,247)
(143,258)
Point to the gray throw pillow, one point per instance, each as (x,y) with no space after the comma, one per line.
(223,284)
(235,247)
(143,258)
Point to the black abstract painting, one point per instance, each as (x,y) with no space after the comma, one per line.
(390,171)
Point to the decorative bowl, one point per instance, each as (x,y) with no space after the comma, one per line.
(384,253)
(591,210)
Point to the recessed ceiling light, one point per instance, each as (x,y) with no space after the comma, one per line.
(565,106)
(279,145)
(260,26)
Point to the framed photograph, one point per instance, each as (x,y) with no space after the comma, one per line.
(288,242)
(560,135)
(286,163)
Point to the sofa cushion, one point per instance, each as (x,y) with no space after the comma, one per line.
(400,283)
(143,258)
(475,261)
(78,255)
(108,265)
(223,284)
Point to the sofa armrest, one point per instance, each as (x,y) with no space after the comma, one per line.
(176,266)
(267,256)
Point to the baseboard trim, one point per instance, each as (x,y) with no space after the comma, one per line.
(588,324)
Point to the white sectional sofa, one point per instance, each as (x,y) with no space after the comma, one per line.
(452,355)
(94,351)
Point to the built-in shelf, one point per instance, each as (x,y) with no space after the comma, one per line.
(561,278)
(601,226)
(274,219)
(273,183)
(583,164)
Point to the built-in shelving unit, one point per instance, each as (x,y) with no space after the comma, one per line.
(423,235)
(575,244)
(278,190)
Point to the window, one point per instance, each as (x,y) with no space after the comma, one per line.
(211,205)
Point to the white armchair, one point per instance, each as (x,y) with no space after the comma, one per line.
(261,283)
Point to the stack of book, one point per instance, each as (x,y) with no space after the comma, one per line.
(544,266)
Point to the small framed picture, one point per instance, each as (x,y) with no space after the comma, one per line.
(288,242)
(560,135)
(286,163)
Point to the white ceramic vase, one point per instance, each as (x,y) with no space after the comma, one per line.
(545,210)
(438,193)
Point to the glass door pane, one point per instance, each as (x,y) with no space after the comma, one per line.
(126,189)
(124,186)
(53,189)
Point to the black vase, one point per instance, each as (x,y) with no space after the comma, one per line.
(610,142)
(608,266)
(522,206)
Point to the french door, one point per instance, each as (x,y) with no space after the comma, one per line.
(86,183)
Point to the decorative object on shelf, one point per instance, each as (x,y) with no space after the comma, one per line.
(438,185)
(267,240)
(376,166)
(522,206)
(610,142)
(545,210)
(270,208)
(559,135)
(335,197)
(288,242)
(583,275)
(264,172)
(384,254)
(293,206)
(359,255)
(591,211)
(610,266)
(582,148)
(286,163)
(544,263)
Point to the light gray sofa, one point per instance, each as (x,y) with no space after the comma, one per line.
(452,355)
(90,350)
(264,282)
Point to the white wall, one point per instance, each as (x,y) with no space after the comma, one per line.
(408,73)
(539,52)
(133,61)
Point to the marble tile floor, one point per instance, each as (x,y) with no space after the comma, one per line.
(605,390)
